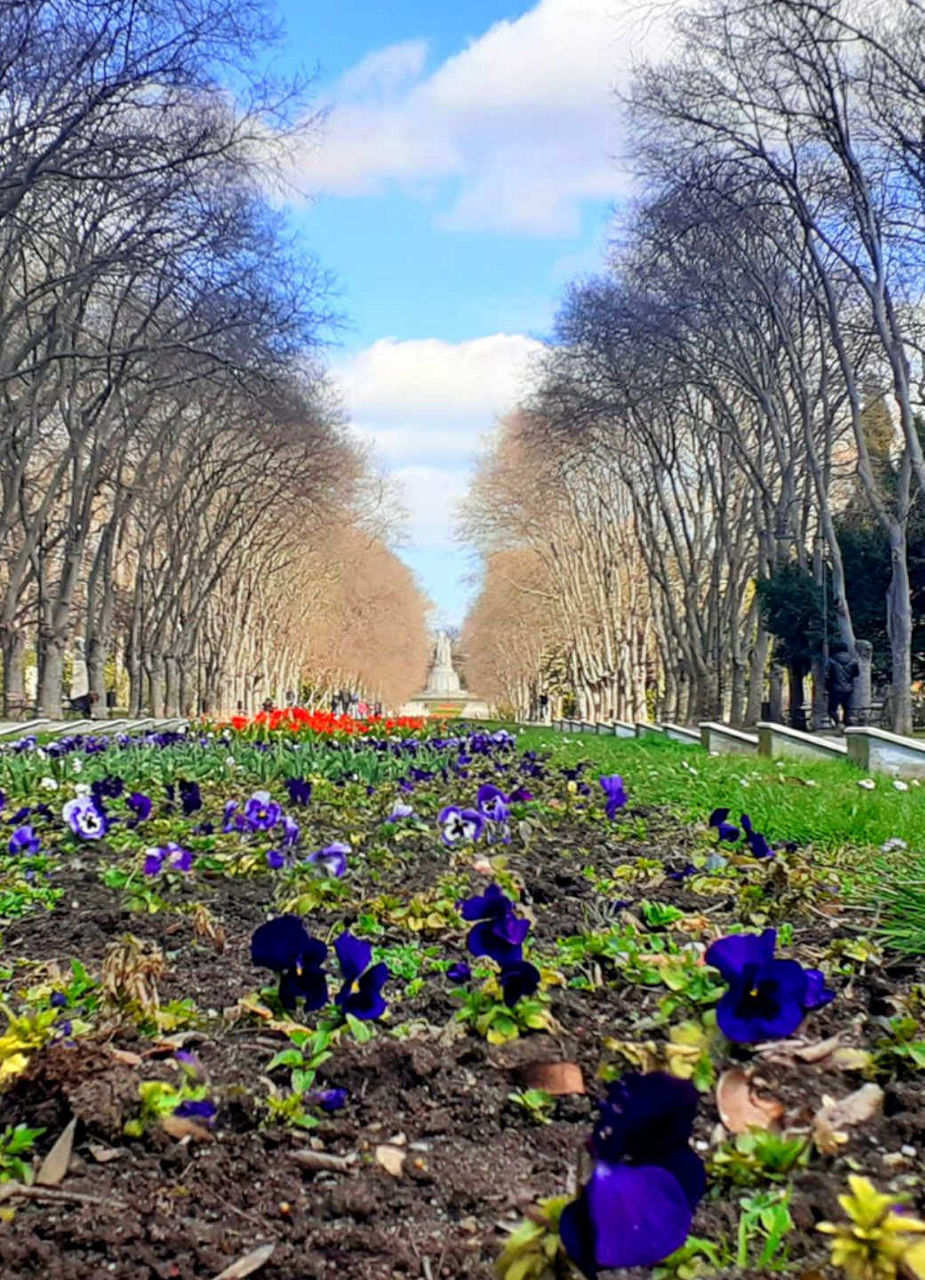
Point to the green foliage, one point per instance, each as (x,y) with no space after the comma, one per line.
(759,1156)
(534,1251)
(15,1146)
(791,608)
(764,1225)
(537,1103)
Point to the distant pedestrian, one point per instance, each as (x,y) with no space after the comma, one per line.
(841,671)
(83,703)
(290,698)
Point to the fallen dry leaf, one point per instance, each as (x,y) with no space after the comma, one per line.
(740,1109)
(185,1127)
(250,1263)
(556,1078)
(392,1159)
(104,1155)
(126,1057)
(831,1120)
(55,1164)
(321,1160)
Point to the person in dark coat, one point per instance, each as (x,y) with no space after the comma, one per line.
(841,671)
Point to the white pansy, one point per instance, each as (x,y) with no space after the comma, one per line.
(867,783)
(48,784)
(900,785)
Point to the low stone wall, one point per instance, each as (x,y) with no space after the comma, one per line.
(720,739)
(780,740)
(882,752)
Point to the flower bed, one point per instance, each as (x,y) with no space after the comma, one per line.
(400,1002)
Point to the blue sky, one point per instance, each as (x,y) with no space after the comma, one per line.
(466,170)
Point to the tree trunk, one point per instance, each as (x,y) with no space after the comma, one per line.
(757,664)
(14,676)
(899,624)
(50,686)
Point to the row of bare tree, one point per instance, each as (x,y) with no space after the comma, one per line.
(705,410)
(175,478)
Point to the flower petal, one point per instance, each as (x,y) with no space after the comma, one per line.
(626,1216)
(279,943)
(353,954)
(731,955)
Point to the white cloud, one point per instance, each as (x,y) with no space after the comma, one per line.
(426,399)
(524,118)
(426,406)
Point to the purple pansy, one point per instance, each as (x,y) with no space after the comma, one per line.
(400,811)
(492,803)
(85,818)
(615,793)
(332,859)
(724,830)
(140,805)
(285,946)
(518,978)
(24,841)
(459,972)
(646,1182)
(190,796)
(330,1099)
(169,857)
(498,933)
(767,997)
(300,790)
(261,812)
(755,840)
(197,1109)
(460,824)
(361,993)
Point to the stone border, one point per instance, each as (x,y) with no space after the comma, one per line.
(718,738)
(623,729)
(680,733)
(645,730)
(882,752)
(777,740)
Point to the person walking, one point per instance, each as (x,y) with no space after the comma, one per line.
(841,671)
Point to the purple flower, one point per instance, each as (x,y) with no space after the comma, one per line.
(291,832)
(400,811)
(361,994)
(767,997)
(169,857)
(460,824)
(499,933)
(724,830)
(518,978)
(756,841)
(615,792)
(330,1099)
(459,972)
(58,1000)
(24,841)
(203,1109)
(85,819)
(140,805)
(492,803)
(232,820)
(285,946)
(261,813)
(639,1202)
(332,859)
(520,795)
(190,797)
(300,790)
(276,860)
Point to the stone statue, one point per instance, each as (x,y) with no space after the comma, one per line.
(444,654)
(443,679)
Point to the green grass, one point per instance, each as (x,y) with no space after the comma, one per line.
(834,814)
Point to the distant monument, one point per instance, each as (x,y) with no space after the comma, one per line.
(444,694)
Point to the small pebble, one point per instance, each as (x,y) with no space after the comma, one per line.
(908,1151)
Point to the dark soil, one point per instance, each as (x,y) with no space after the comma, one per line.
(157,1208)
